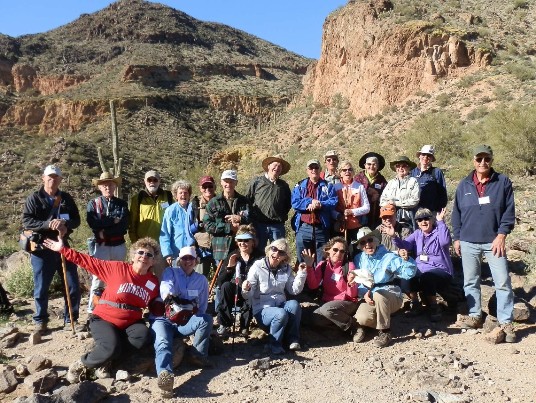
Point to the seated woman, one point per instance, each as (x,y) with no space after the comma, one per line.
(179,223)
(268,280)
(339,291)
(130,287)
(430,243)
(383,298)
(185,294)
(402,191)
(237,265)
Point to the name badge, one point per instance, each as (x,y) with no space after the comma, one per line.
(64,216)
(150,285)
(164,205)
(483,200)
(424,258)
(335,277)
(377,186)
(193,293)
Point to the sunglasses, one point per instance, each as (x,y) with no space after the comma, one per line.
(143,253)
(209,186)
(278,251)
(337,250)
(366,241)
(187,257)
(347,169)
(152,180)
(423,219)
(313,167)
(332,160)
(486,159)
(243,240)
(399,166)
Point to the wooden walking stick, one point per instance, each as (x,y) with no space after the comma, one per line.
(67,295)
(215,277)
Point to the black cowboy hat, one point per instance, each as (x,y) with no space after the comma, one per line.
(363,159)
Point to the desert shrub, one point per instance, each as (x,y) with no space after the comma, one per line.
(477,113)
(443,99)
(522,72)
(468,81)
(517,4)
(20,283)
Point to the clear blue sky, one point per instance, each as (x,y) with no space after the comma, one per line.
(293,24)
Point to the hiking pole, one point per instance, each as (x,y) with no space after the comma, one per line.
(215,277)
(313,218)
(237,279)
(67,295)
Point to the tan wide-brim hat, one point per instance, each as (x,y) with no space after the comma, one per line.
(402,158)
(285,166)
(106,177)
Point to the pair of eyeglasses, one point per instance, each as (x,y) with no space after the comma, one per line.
(337,250)
(144,253)
(187,257)
(423,219)
(332,160)
(426,155)
(399,166)
(278,251)
(152,180)
(487,160)
(313,167)
(243,240)
(347,169)
(369,164)
(366,241)
(207,187)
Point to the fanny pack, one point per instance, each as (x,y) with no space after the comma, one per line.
(180,310)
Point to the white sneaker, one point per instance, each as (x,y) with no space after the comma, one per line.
(76,372)
(294,346)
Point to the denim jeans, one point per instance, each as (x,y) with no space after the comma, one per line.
(163,332)
(283,321)
(103,252)
(268,232)
(471,260)
(44,264)
(306,240)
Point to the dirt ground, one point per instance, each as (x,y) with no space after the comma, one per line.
(445,365)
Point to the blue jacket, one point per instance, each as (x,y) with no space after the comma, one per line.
(385,266)
(193,287)
(480,223)
(177,229)
(326,195)
(433,187)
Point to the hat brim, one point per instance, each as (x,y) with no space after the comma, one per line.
(375,233)
(285,166)
(363,160)
(97,182)
(411,164)
(419,154)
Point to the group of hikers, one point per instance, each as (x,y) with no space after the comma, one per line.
(362,244)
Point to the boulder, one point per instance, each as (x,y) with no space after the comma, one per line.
(37,363)
(8,381)
(42,381)
(83,392)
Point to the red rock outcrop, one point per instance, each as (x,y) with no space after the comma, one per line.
(374,62)
(25,77)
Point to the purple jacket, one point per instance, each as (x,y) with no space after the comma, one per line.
(435,245)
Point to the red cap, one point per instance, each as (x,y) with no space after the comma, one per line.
(206,179)
(387,210)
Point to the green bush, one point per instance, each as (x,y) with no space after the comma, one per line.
(443,99)
(20,283)
(522,72)
(516,4)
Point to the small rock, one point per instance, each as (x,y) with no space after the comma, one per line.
(122,375)
(399,358)
(496,336)
(35,338)
(428,333)
(21,370)
(9,340)
(107,383)
(521,311)
(7,330)
(38,363)
(261,363)
(83,392)
(42,381)
(8,381)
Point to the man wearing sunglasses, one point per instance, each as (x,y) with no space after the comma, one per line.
(482,217)
(313,200)
(207,190)
(331,173)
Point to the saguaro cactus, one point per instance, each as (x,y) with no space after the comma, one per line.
(118,162)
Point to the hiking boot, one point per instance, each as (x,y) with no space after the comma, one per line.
(199,361)
(223,331)
(510,333)
(40,327)
(435,313)
(383,339)
(294,346)
(77,372)
(165,383)
(415,308)
(104,371)
(78,327)
(469,322)
(359,335)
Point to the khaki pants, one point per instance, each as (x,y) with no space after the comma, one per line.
(378,316)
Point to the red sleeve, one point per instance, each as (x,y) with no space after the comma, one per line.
(100,268)
(314,277)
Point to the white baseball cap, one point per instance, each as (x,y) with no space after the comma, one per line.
(52,170)
(229,174)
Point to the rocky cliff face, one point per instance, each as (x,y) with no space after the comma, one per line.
(374,62)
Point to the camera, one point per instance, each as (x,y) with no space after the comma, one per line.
(37,239)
